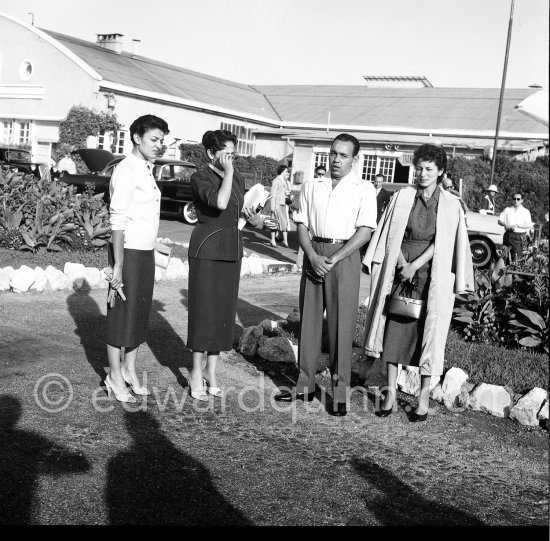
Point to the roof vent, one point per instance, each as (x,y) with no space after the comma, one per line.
(135,46)
(397,81)
(113,42)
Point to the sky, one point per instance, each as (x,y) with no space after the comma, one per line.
(453,43)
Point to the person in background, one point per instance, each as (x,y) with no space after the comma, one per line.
(448,185)
(516,220)
(281,192)
(337,215)
(320,171)
(488,203)
(134,217)
(383,196)
(67,164)
(215,255)
(421,252)
(35,171)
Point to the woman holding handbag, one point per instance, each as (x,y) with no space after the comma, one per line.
(134,217)
(281,199)
(418,259)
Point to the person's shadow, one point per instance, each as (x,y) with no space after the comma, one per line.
(90,327)
(166,344)
(153,482)
(24,456)
(398,504)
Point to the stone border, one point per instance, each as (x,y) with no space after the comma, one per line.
(451,390)
(77,276)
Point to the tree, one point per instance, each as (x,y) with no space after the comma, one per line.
(79,124)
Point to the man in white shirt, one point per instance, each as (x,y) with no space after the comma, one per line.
(337,216)
(517,222)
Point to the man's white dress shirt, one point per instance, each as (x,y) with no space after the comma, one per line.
(519,219)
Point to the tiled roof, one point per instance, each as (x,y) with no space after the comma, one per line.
(151,75)
(471,109)
(417,108)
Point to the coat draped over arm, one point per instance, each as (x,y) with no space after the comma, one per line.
(451,273)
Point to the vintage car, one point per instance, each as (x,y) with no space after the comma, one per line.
(172,176)
(15,158)
(484,232)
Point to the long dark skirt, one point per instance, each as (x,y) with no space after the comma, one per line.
(127,321)
(212,304)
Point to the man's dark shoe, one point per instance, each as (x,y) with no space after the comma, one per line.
(340,410)
(287,396)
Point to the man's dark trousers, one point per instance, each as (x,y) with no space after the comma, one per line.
(339,294)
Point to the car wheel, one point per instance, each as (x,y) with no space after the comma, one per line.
(189,213)
(482,252)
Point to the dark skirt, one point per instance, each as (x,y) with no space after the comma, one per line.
(127,321)
(403,335)
(212,304)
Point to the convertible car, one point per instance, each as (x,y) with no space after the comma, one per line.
(172,176)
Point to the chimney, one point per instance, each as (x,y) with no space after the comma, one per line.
(135,46)
(113,42)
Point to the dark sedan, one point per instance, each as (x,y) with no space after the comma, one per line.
(172,176)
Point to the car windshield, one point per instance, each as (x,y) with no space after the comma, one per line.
(176,172)
(19,155)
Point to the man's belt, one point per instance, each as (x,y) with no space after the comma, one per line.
(329,241)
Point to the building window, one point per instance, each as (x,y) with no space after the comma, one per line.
(120,141)
(321,159)
(245,143)
(7,131)
(24,133)
(378,164)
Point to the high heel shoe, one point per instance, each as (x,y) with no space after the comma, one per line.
(198,394)
(137,389)
(383,413)
(416,418)
(285,244)
(121,397)
(214,391)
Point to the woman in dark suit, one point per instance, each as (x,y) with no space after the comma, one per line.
(215,254)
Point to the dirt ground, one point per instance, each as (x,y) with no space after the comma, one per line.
(243,460)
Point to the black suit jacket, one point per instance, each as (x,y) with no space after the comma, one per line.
(382,200)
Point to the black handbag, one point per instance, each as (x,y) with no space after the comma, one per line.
(289,199)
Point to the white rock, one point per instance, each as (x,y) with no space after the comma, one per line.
(409,380)
(543,413)
(56,279)
(245,266)
(493,399)
(22,279)
(75,273)
(10,271)
(175,269)
(92,278)
(454,378)
(40,280)
(528,406)
(255,265)
(437,394)
(160,274)
(185,269)
(4,279)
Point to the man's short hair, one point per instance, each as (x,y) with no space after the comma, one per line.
(320,168)
(348,139)
(381,176)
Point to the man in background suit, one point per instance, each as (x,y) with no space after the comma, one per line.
(382,196)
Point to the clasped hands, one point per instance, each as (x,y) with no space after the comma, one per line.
(321,264)
(406,271)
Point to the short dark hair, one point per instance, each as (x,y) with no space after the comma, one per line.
(217,139)
(146,123)
(431,153)
(348,139)
(517,193)
(281,169)
(380,175)
(320,168)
